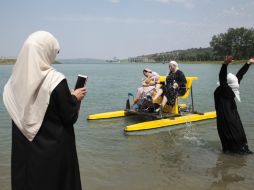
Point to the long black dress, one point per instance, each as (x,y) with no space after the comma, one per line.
(50,161)
(169,91)
(229,125)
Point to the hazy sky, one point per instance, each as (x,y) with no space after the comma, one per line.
(122,28)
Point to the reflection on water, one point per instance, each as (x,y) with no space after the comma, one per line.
(227,171)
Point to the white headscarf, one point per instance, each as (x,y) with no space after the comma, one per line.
(232,81)
(156,76)
(26,94)
(174,63)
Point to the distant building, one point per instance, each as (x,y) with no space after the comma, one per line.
(114,60)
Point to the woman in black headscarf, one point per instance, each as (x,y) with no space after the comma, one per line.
(229,125)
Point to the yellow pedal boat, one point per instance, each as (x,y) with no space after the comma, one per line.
(181,113)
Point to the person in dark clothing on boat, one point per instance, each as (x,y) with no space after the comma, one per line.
(175,86)
(229,125)
(43,111)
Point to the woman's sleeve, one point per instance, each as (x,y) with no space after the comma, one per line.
(182,80)
(223,74)
(68,105)
(242,72)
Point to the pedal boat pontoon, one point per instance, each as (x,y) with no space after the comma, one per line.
(182,113)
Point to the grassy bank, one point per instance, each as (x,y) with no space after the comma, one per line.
(13,61)
(190,62)
(7,61)
(211,62)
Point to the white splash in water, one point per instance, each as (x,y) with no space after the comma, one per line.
(192,137)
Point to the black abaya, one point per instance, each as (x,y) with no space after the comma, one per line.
(169,91)
(50,161)
(229,125)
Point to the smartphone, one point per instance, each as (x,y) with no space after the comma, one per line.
(81,81)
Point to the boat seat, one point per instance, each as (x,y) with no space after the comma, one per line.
(189,80)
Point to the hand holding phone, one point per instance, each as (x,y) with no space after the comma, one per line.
(81,81)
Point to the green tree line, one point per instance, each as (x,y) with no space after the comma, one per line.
(238,42)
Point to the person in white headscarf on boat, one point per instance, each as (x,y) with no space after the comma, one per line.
(229,125)
(43,111)
(149,84)
(175,85)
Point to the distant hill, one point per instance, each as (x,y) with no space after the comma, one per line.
(82,61)
(61,61)
(193,54)
(7,61)
(13,61)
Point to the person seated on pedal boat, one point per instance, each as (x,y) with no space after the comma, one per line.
(175,85)
(149,84)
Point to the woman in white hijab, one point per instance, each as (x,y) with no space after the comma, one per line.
(43,112)
(229,125)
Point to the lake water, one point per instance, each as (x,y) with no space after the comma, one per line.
(164,159)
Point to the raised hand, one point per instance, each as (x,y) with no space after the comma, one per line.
(251,61)
(228,59)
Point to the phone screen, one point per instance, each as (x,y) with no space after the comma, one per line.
(81,81)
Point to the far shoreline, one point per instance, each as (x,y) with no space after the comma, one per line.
(13,61)
(185,62)
(7,61)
